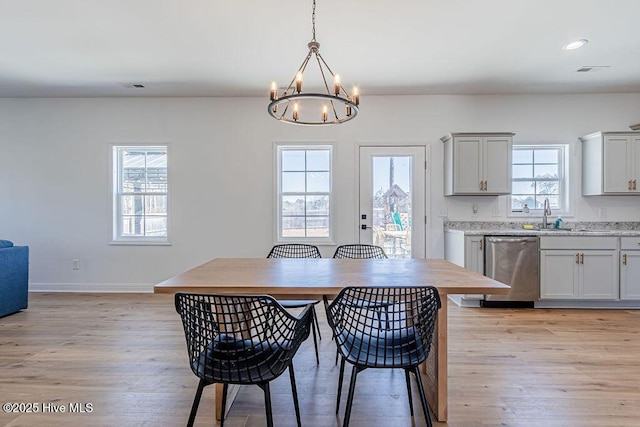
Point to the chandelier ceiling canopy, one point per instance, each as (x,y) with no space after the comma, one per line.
(329,104)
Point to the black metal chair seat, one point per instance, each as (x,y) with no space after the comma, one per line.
(237,361)
(389,349)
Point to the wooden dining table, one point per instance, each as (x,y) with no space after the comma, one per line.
(312,278)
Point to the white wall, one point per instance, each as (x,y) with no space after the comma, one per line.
(54,172)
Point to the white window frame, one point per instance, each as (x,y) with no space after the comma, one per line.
(278,149)
(563,182)
(115,181)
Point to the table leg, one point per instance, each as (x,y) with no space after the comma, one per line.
(232,393)
(434,372)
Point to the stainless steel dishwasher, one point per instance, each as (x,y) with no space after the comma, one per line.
(513,261)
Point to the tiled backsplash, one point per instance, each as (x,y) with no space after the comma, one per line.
(510,225)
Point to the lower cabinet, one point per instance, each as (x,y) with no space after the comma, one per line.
(474,253)
(465,251)
(579,268)
(630,268)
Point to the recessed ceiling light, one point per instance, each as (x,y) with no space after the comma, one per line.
(576,44)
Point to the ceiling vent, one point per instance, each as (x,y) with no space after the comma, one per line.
(592,68)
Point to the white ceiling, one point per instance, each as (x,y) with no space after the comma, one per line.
(237,47)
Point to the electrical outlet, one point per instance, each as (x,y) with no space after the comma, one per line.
(444,212)
(474,209)
(602,212)
(76,264)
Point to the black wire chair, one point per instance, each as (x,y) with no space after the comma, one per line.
(362,251)
(300,250)
(359,251)
(229,342)
(405,343)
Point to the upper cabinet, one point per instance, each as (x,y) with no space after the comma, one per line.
(611,163)
(477,163)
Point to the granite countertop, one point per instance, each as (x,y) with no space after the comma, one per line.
(479,228)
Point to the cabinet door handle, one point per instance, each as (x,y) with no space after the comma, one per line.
(482,188)
(624,259)
(480,244)
(577,258)
(629,187)
(485,185)
(634,184)
(581,258)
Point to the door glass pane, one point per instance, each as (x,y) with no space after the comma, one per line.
(392,205)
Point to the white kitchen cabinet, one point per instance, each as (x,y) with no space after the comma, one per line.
(474,253)
(477,163)
(579,268)
(630,268)
(611,163)
(467,252)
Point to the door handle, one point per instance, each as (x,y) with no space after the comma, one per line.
(485,185)
(629,186)
(480,244)
(364,227)
(581,258)
(634,184)
(481,185)
(577,258)
(624,259)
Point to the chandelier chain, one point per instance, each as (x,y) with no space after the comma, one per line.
(313,21)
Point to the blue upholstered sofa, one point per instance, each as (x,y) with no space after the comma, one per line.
(14,277)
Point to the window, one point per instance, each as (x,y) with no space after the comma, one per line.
(539,172)
(140,194)
(304,193)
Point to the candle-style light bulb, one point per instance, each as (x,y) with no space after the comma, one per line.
(295,111)
(356,96)
(336,84)
(324,113)
(348,110)
(299,82)
(274,91)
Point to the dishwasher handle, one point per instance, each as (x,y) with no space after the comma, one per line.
(511,239)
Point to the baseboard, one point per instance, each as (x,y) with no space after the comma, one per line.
(92,287)
(598,304)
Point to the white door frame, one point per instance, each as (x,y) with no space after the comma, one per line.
(426,187)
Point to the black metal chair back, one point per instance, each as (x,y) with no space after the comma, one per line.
(359,251)
(294,250)
(300,250)
(240,339)
(404,341)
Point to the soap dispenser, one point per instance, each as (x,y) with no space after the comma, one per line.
(559,222)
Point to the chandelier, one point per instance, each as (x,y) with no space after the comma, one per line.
(329,105)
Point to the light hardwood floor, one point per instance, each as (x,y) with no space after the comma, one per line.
(126,355)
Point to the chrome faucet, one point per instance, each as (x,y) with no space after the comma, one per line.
(546,212)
